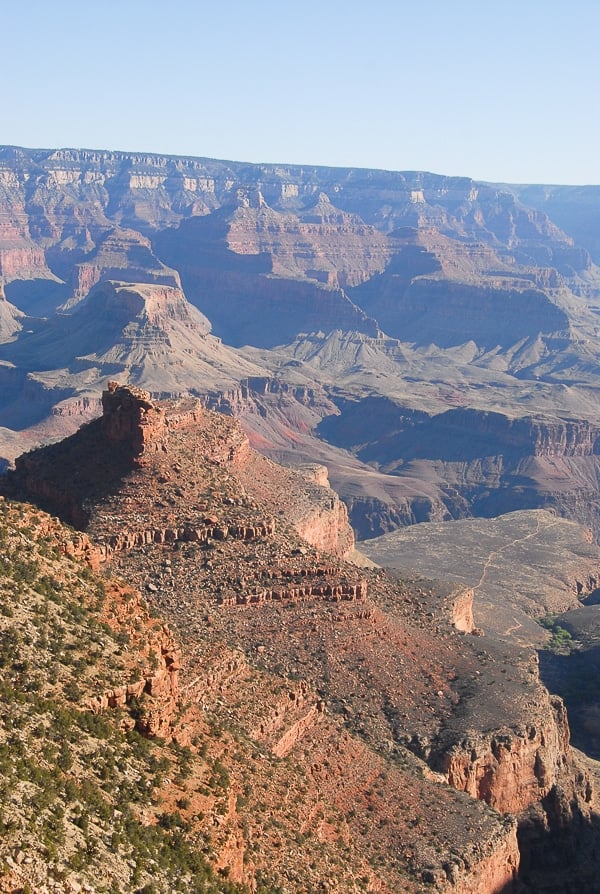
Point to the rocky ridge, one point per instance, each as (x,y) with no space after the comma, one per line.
(357,671)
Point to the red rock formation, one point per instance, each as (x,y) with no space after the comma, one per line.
(326,244)
(123,255)
(332,592)
(144,432)
(126,540)
(494,874)
(153,699)
(129,416)
(327,526)
(513,770)
(23,261)
(81,547)
(314,509)
(297,712)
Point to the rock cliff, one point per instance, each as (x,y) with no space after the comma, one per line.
(433,342)
(476,462)
(402,721)
(121,255)
(135,433)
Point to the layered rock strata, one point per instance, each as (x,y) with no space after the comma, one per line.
(356,669)
(134,430)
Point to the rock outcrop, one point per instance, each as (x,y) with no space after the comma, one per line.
(129,416)
(512,771)
(123,256)
(412,734)
(135,432)
(154,699)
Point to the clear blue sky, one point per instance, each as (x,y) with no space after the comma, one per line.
(505,90)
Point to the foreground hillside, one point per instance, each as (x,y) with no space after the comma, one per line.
(85,797)
(300,724)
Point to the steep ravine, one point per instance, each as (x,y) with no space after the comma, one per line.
(394,466)
(481,463)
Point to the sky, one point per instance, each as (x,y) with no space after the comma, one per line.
(497,90)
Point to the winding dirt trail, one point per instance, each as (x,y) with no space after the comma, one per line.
(495,553)
(490,559)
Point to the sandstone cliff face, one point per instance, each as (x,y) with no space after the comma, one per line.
(125,256)
(246,301)
(435,290)
(434,310)
(327,526)
(322,243)
(462,610)
(130,417)
(21,255)
(245,399)
(496,874)
(465,434)
(510,772)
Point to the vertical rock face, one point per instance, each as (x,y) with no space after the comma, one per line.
(154,698)
(21,255)
(495,874)
(512,771)
(326,526)
(322,243)
(130,417)
(123,255)
(307,502)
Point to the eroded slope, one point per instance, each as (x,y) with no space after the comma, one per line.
(363,726)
